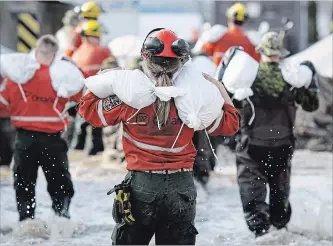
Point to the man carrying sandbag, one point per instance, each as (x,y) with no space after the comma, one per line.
(234,36)
(88,11)
(89,57)
(267,141)
(158,195)
(36,109)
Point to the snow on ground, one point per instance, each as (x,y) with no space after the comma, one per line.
(219,213)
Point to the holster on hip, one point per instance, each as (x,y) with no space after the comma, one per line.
(121,211)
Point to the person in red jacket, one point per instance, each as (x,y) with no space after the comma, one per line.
(88,11)
(163,194)
(89,57)
(36,117)
(235,36)
(7,133)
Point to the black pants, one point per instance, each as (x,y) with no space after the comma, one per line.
(97,139)
(34,149)
(7,134)
(258,167)
(162,204)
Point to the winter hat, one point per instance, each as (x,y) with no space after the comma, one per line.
(272,45)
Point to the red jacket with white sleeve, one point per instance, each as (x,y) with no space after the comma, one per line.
(146,146)
(34,105)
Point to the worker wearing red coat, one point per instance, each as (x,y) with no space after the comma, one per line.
(89,57)
(235,36)
(162,190)
(88,11)
(38,115)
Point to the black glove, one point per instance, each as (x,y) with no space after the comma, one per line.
(314,85)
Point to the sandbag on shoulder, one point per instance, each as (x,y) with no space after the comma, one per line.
(18,67)
(295,74)
(204,64)
(133,87)
(202,103)
(237,71)
(212,36)
(67,79)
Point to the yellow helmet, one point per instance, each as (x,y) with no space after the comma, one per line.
(237,12)
(91,28)
(90,10)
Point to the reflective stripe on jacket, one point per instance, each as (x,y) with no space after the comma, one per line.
(146,146)
(35,107)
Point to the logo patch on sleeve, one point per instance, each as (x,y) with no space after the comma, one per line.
(111,102)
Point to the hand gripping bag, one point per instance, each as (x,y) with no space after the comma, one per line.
(67,79)
(202,102)
(237,71)
(133,87)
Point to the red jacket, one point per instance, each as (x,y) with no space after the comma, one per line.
(145,146)
(33,107)
(233,37)
(89,58)
(4,112)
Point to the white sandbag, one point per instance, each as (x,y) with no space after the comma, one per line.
(215,33)
(100,85)
(320,54)
(67,79)
(202,103)
(204,64)
(18,67)
(295,74)
(254,37)
(212,35)
(239,73)
(133,87)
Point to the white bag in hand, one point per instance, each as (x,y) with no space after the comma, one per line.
(18,67)
(202,103)
(237,71)
(67,79)
(295,74)
(133,87)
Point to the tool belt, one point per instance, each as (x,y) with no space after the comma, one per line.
(121,211)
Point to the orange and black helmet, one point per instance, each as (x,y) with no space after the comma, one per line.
(165,43)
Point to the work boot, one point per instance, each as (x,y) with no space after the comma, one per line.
(81,139)
(96,150)
(61,208)
(260,233)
